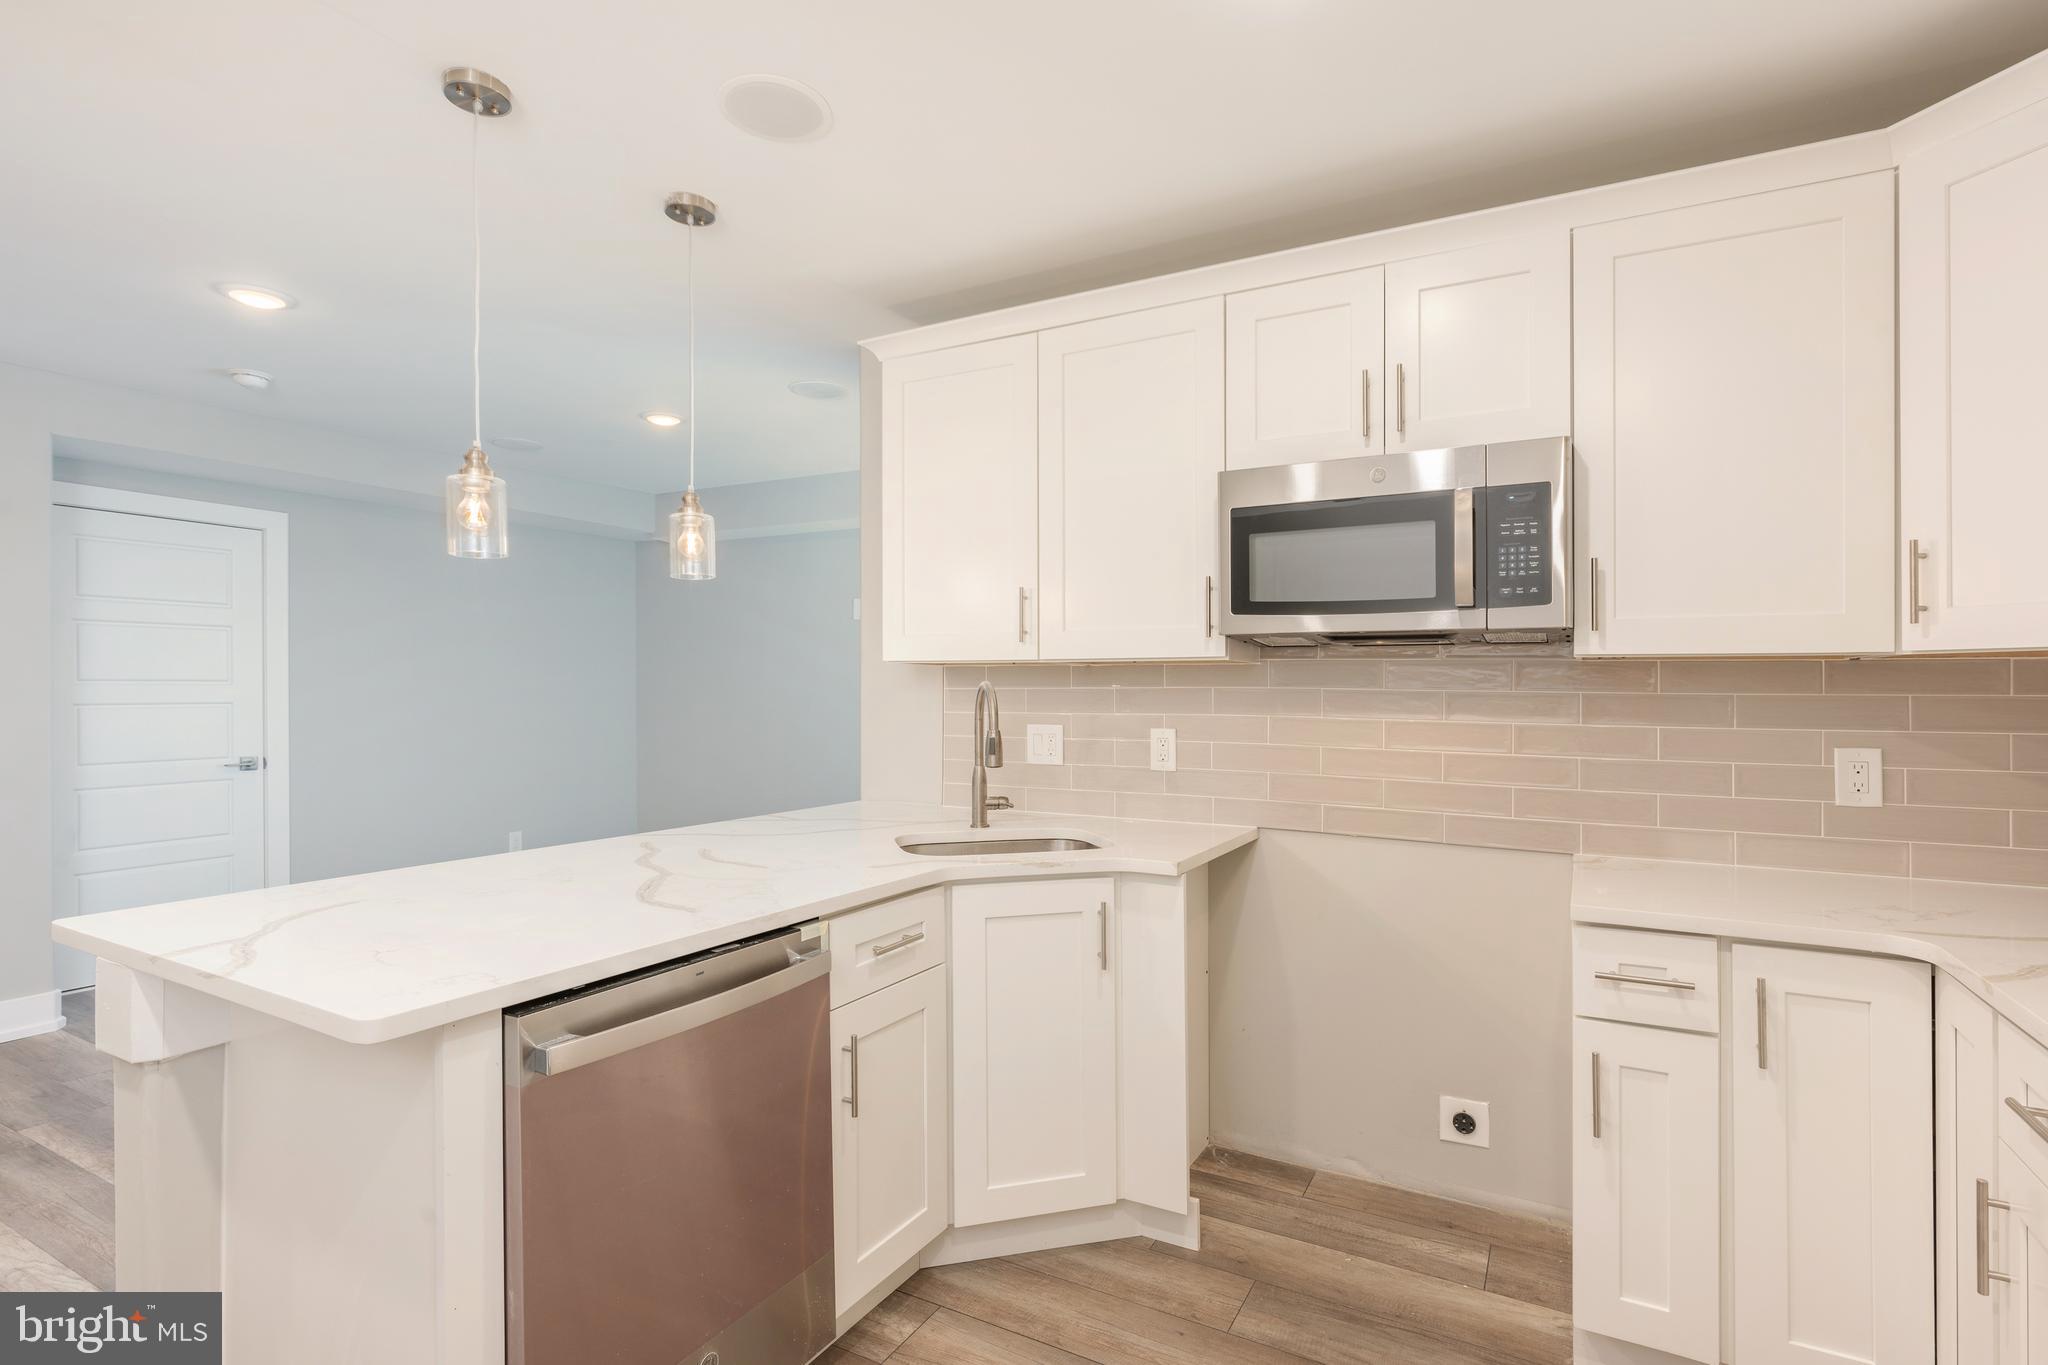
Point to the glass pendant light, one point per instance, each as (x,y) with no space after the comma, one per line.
(692,535)
(474,503)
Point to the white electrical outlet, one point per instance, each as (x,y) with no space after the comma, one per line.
(1859,777)
(1165,751)
(1463,1121)
(515,841)
(1045,744)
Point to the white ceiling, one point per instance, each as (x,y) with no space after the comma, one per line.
(982,155)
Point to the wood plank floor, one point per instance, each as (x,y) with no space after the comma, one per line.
(1296,1265)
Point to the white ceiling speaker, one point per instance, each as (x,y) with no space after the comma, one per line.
(817,388)
(776,108)
(250,379)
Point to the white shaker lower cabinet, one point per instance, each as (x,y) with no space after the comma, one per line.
(1646,1187)
(960,503)
(889,1136)
(2018,1249)
(1832,1237)
(1130,441)
(1973,288)
(1966,1166)
(1035,1048)
(1732,368)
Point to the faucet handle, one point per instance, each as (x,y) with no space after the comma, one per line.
(1000,803)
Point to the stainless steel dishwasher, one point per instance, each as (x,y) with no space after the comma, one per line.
(668,1164)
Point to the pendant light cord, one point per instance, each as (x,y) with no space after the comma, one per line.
(476,310)
(690,291)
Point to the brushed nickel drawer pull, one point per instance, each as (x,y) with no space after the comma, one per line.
(1627,979)
(1985,1203)
(883,949)
(1596,1095)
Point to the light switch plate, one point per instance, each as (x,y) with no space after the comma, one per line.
(1045,744)
(1165,751)
(1859,777)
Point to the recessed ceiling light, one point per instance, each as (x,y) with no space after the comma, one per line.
(264,300)
(817,388)
(775,107)
(250,379)
(514,442)
(661,419)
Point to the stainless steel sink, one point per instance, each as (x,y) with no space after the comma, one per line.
(967,848)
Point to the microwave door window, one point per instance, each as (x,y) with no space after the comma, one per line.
(1390,561)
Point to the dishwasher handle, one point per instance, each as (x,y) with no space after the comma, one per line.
(568,1051)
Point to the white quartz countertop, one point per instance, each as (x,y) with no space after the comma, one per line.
(1993,939)
(369,958)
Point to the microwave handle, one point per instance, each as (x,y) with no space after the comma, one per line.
(1464,532)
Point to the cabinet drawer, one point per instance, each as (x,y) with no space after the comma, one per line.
(2023,1076)
(879,945)
(1641,977)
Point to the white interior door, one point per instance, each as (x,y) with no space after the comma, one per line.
(1733,371)
(1034,1049)
(1833,1158)
(157,696)
(1130,441)
(1303,368)
(1973,289)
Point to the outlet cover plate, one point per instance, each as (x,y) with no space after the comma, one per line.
(1448,1106)
(1045,744)
(1165,751)
(1859,777)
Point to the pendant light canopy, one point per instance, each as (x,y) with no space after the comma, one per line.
(692,535)
(474,503)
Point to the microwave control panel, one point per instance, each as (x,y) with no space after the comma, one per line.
(1518,545)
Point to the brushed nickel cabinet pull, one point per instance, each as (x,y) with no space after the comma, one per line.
(1365,404)
(1626,979)
(1208,606)
(2035,1119)
(1914,554)
(1401,401)
(1593,595)
(1102,948)
(1763,1023)
(883,949)
(1596,1095)
(1985,1203)
(852,1099)
(1023,615)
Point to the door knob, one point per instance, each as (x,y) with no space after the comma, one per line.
(247,763)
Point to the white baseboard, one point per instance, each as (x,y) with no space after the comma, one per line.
(1076,1228)
(27,1015)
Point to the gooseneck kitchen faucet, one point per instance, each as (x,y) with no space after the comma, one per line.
(988,753)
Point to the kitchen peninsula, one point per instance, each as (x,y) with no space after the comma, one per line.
(312,1085)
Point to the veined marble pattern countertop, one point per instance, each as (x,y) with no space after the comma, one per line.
(1993,939)
(373,957)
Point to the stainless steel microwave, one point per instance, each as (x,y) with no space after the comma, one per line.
(1467,544)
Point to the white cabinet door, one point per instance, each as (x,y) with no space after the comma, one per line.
(1733,364)
(1833,1159)
(1965,1170)
(1973,290)
(889,1135)
(1130,441)
(1302,362)
(1479,342)
(960,502)
(2019,1251)
(1034,1046)
(1646,1187)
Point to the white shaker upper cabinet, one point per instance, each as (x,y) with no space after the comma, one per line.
(1130,432)
(1479,344)
(1973,293)
(1832,1174)
(1304,369)
(1733,370)
(960,502)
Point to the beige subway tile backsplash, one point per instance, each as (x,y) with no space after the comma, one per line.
(1707,760)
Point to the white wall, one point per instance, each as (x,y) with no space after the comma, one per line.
(24,706)
(749,693)
(438,704)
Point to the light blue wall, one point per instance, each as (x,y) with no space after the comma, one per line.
(750,684)
(438,704)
